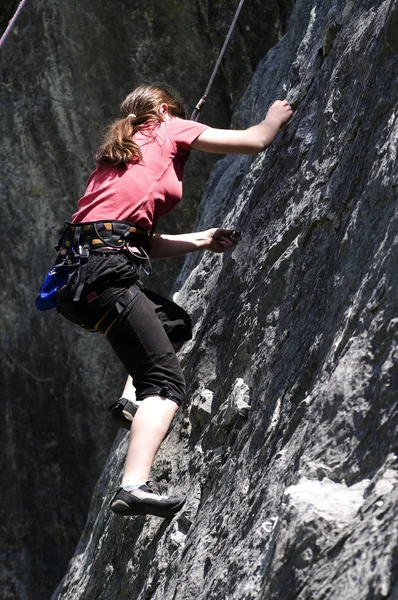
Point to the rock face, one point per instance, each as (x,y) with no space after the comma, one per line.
(287,448)
(63,71)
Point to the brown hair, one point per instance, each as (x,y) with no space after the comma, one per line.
(140,108)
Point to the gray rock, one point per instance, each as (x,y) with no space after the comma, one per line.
(237,404)
(298,501)
(64,69)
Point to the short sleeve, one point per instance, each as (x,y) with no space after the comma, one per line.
(184,132)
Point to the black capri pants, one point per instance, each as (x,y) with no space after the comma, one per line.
(144,331)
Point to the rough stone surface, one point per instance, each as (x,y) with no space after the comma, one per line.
(63,71)
(297,498)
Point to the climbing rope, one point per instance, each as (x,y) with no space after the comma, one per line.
(196,111)
(11,23)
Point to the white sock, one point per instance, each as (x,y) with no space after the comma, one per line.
(132,485)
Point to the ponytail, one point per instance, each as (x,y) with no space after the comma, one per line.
(140,108)
(118,146)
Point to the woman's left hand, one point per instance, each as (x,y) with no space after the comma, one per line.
(220,239)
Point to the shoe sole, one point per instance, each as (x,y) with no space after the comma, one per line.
(124,418)
(120,508)
(128,415)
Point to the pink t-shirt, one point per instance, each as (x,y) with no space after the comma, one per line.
(148,189)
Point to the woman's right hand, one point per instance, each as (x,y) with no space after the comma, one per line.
(280,111)
(245,141)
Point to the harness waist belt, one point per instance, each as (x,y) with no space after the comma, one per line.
(97,234)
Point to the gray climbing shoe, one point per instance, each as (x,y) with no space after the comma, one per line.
(146,500)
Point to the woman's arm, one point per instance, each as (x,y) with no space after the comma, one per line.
(215,240)
(245,141)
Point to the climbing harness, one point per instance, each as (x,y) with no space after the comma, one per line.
(97,234)
(66,278)
(196,111)
(110,317)
(11,23)
(106,320)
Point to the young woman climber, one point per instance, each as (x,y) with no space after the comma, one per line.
(138,178)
